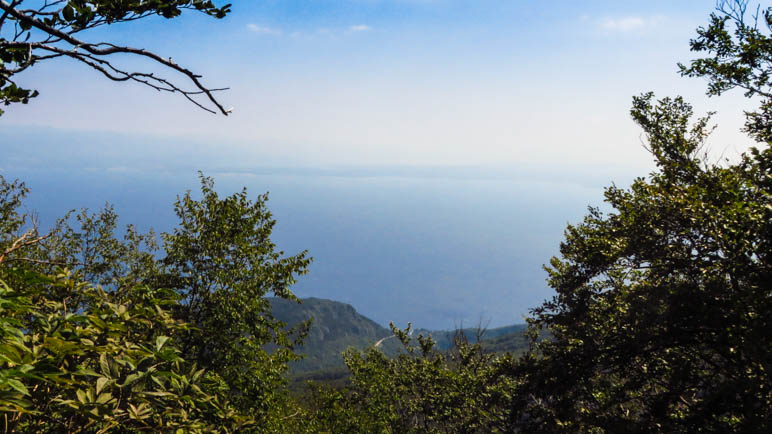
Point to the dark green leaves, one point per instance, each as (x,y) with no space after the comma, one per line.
(68,13)
(10,93)
(656,323)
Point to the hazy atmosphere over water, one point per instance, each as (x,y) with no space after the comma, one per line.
(438,246)
(426,153)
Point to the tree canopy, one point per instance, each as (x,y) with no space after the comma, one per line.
(738,45)
(662,313)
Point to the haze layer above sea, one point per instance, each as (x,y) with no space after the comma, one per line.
(438,246)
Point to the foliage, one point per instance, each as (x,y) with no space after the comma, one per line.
(662,313)
(75,358)
(738,58)
(660,322)
(661,318)
(223,263)
(421,390)
(35,31)
(205,299)
(11,197)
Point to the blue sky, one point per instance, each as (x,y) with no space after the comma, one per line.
(410,82)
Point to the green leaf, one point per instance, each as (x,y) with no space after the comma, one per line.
(100,384)
(81,396)
(160,341)
(17,385)
(103,365)
(68,13)
(131,379)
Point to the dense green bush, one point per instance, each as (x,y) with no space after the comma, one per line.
(76,358)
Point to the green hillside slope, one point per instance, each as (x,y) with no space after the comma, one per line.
(338,326)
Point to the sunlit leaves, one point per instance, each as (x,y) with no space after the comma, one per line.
(113,364)
(223,262)
(421,390)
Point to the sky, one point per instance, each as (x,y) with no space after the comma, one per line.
(428,153)
(398,82)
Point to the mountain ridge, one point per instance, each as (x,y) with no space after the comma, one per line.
(337,326)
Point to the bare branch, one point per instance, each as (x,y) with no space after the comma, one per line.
(91,53)
(115,74)
(3,17)
(23,241)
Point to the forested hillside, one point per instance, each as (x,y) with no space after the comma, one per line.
(660,319)
(336,327)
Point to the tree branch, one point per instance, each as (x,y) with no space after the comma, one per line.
(22,242)
(94,51)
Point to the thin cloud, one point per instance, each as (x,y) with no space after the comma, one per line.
(624,24)
(628,24)
(330,32)
(262,30)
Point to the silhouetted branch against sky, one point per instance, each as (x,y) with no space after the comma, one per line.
(35,31)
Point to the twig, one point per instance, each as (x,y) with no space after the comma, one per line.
(22,242)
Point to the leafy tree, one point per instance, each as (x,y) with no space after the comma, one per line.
(662,314)
(75,358)
(11,221)
(223,263)
(35,31)
(661,322)
(219,265)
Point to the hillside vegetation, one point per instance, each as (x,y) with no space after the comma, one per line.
(337,327)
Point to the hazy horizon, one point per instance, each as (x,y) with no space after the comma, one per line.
(435,246)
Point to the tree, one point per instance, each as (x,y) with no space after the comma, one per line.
(76,358)
(422,390)
(219,264)
(738,58)
(35,31)
(222,262)
(663,313)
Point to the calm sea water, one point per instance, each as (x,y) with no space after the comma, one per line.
(438,247)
